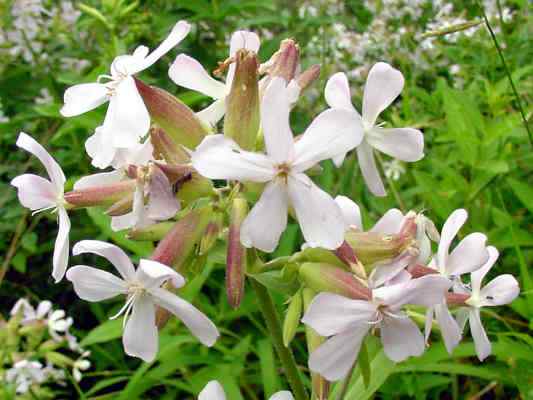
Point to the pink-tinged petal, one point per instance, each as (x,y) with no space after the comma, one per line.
(451,332)
(369,169)
(140,337)
(152,274)
(401,338)
(383,85)
(283,395)
(469,255)
(218,157)
(178,33)
(390,223)
(61,247)
(386,272)
(501,290)
(350,211)
(140,154)
(332,132)
(334,358)
(481,341)
(93,284)
(241,40)
(275,109)
(428,325)
(213,114)
(53,169)
(100,149)
(426,291)
(103,178)
(450,229)
(127,119)
(406,144)
(320,218)
(476,277)
(337,92)
(162,204)
(197,322)
(338,160)
(35,192)
(212,391)
(267,220)
(189,73)
(138,217)
(84,97)
(114,254)
(330,314)
(462,317)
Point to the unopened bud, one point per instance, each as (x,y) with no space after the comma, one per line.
(214,227)
(306,78)
(419,270)
(285,62)
(346,254)
(187,184)
(319,255)
(329,278)
(241,122)
(236,255)
(176,119)
(167,149)
(102,195)
(152,233)
(292,318)
(121,207)
(457,299)
(58,359)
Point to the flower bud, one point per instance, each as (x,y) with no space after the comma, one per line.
(173,116)
(457,299)
(323,277)
(292,318)
(58,359)
(419,270)
(102,195)
(121,207)
(284,63)
(152,233)
(236,255)
(319,255)
(306,78)
(241,122)
(167,149)
(214,227)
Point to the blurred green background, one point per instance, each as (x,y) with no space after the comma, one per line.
(478,157)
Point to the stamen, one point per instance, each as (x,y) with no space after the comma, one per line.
(124,307)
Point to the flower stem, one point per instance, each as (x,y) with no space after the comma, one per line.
(284,353)
(346,383)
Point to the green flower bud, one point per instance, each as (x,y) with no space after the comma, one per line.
(152,233)
(212,232)
(167,149)
(59,359)
(292,318)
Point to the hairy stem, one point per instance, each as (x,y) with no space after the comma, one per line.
(285,355)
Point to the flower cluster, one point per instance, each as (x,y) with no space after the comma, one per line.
(165,184)
(34,336)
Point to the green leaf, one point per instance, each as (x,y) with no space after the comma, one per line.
(109,330)
(29,242)
(523,191)
(267,363)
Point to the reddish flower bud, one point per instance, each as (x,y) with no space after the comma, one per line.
(284,63)
(419,270)
(457,299)
(214,227)
(167,149)
(103,195)
(236,255)
(310,75)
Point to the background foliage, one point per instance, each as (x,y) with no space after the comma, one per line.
(478,157)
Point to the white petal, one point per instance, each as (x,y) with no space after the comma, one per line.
(386,271)
(275,109)
(152,274)
(127,119)
(337,92)
(53,169)
(100,148)
(197,322)
(214,113)
(369,170)
(350,211)
(401,338)
(103,178)
(428,325)
(462,317)
(114,254)
(332,132)
(61,247)
(476,277)
(35,192)
(481,341)
(406,144)
(338,160)
(383,85)
(470,254)
(330,314)
(451,332)
(450,229)
(390,223)
(212,391)
(140,154)
(162,203)
(334,358)
(425,291)
(501,290)
(189,73)
(267,220)
(138,217)
(140,338)
(283,395)
(320,218)
(43,308)
(82,98)
(218,157)
(93,284)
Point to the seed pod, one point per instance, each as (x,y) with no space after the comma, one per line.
(292,318)
(236,255)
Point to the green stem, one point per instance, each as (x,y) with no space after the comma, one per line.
(346,383)
(507,72)
(274,327)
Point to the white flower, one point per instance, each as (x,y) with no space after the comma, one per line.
(214,391)
(282,169)
(383,85)
(393,169)
(348,321)
(501,290)
(81,364)
(469,255)
(189,73)
(30,314)
(142,288)
(39,194)
(127,119)
(58,324)
(24,374)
